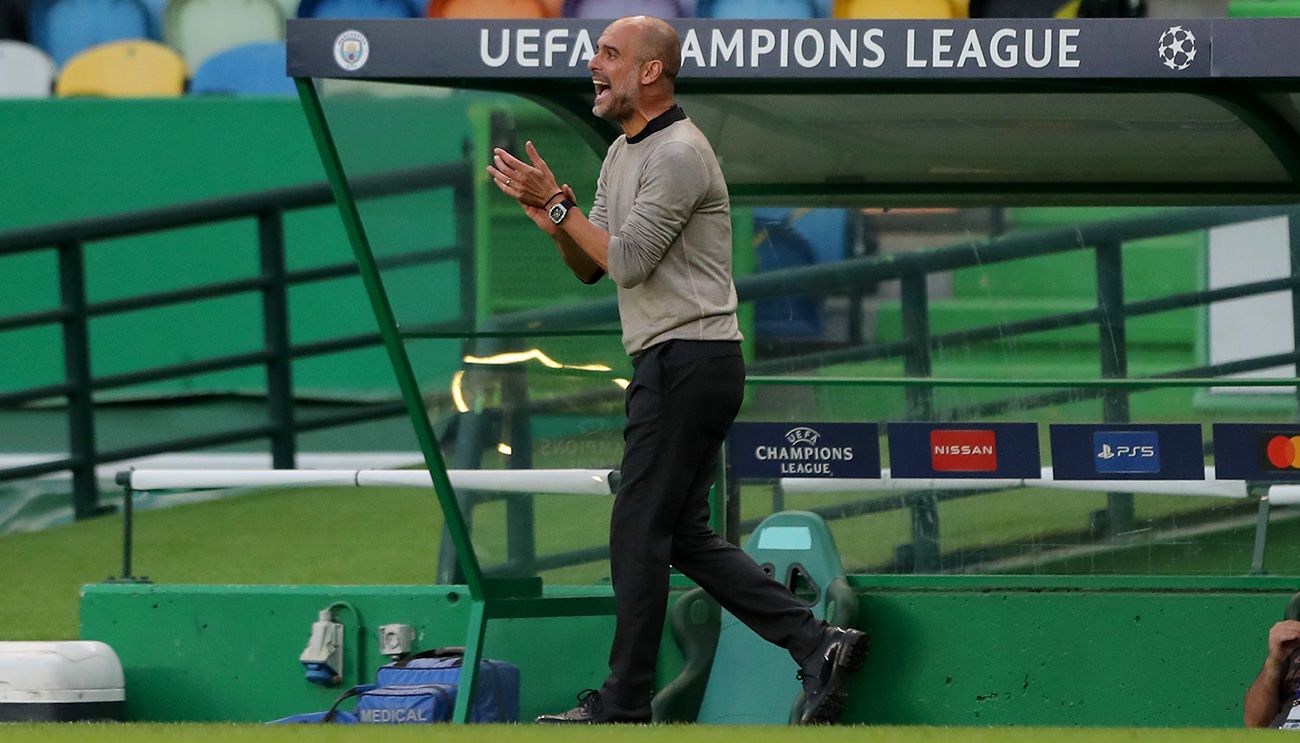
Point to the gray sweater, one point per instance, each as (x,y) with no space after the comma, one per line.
(665,205)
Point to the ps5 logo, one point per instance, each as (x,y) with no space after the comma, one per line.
(1143,452)
(1130,452)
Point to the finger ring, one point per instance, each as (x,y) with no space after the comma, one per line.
(507,181)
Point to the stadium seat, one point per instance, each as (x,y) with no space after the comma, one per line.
(64,28)
(251,69)
(357,9)
(199,29)
(13,20)
(156,8)
(757,9)
(620,8)
(25,71)
(732,676)
(1057,8)
(124,69)
(895,9)
(488,9)
(782,247)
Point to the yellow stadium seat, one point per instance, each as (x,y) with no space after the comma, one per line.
(124,69)
(900,9)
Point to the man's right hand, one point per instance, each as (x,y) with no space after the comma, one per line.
(1283,639)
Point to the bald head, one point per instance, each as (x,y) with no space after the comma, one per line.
(656,39)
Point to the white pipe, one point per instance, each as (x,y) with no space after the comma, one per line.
(1284,495)
(1210,487)
(554,482)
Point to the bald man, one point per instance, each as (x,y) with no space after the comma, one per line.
(660,227)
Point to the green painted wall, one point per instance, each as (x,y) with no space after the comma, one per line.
(966,650)
(231,652)
(76,159)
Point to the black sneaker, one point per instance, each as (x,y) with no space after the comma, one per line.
(823,673)
(590,711)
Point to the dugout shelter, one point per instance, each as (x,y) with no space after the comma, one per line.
(1184,125)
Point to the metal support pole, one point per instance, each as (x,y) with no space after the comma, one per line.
(1113,353)
(76,364)
(470,437)
(463,208)
(1261,531)
(521,540)
(275,333)
(1293,237)
(128,531)
(920,407)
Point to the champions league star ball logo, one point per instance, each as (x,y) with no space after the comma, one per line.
(351,50)
(1177,48)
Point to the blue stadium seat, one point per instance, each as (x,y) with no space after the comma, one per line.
(758,9)
(620,8)
(782,248)
(156,8)
(65,27)
(358,9)
(251,69)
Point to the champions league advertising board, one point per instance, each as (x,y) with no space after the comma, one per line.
(771,50)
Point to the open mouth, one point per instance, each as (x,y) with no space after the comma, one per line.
(602,89)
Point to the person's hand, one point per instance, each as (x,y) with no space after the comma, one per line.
(531,185)
(1283,639)
(542,218)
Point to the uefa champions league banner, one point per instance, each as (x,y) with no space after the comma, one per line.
(463,51)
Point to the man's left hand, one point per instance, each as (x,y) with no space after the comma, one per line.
(531,185)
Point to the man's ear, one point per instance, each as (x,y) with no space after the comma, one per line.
(651,71)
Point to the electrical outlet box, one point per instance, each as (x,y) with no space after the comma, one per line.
(395,639)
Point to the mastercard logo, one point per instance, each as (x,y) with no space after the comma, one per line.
(1283,452)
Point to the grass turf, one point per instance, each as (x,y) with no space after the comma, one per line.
(173,733)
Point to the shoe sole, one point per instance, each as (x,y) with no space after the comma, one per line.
(849,661)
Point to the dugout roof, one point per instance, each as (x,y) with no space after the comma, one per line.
(909,112)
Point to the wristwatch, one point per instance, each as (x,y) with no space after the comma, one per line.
(559,211)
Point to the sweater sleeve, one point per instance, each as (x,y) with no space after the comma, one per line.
(598,215)
(672,184)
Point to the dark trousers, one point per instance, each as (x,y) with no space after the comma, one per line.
(680,403)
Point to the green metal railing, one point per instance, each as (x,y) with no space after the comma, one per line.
(1105,239)
(71,240)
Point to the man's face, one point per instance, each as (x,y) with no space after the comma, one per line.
(616,73)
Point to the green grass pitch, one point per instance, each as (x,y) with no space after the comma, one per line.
(191,733)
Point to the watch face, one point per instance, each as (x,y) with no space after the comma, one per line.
(557,213)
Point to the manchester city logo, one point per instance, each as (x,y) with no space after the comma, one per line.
(351,50)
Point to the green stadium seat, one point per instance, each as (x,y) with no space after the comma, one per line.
(199,29)
(731,675)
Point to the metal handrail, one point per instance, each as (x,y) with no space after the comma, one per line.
(267,207)
(207,211)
